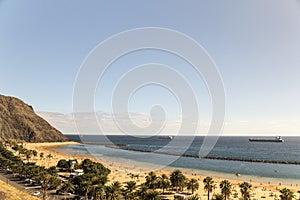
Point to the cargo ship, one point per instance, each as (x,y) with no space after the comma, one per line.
(276,139)
(169,137)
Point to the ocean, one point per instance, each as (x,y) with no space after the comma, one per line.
(166,153)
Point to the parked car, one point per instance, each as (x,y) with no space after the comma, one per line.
(36,193)
(179,196)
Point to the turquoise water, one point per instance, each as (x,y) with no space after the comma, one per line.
(226,147)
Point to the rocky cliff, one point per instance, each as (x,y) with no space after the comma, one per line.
(18,121)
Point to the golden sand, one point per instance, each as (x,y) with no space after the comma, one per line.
(120,172)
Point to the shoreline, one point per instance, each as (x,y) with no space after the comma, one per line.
(122,165)
(205,157)
(121,170)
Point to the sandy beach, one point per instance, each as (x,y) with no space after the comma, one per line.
(262,187)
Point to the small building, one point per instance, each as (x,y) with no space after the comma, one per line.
(76,172)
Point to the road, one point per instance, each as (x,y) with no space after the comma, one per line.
(16,183)
(20,185)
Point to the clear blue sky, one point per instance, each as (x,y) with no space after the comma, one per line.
(255,44)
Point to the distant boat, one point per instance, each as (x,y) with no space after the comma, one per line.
(276,139)
(169,137)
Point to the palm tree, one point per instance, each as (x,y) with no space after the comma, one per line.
(208,185)
(34,153)
(68,187)
(52,170)
(286,194)
(194,197)
(28,154)
(152,195)
(41,155)
(91,186)
(245,190)
(137,176)
(131,175)
(218,197)
(214,188)
(193,185)
(31,170)
(48,181)
(85,187)
(49,156)
(177,179)
(113,191)
(164,182)
(130,186)
(129,190)
(151,180)
(226,187)
(22,150)
(141,193)
(17,169)
(97,191)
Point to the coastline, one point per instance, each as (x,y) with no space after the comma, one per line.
(121,170)
(206,157)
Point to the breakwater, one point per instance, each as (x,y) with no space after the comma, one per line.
(123,147)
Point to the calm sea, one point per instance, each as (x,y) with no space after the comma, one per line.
(226,147)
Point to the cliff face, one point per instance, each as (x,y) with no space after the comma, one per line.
(19,121)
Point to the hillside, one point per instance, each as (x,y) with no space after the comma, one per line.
(19,121)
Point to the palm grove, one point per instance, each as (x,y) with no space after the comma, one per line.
(94,183)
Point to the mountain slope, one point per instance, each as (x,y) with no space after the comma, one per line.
(19,121)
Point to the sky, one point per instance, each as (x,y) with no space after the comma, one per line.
(255,45)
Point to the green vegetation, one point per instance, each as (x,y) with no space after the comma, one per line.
(194,197)
(20,122)
(45,177)
(245,190)
(286,194)
(177,180)
(164,182)
(209,184)
(151,181)
(218,197)
(64,164)
(193,185)
(225,186)
(113,191)
(94,183)
(130,190)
